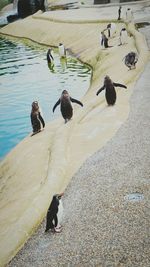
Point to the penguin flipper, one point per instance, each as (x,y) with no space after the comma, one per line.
(76,101)
(100,90)
(119,85)
(57,103)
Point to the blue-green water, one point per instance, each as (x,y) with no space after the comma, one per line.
(24,78)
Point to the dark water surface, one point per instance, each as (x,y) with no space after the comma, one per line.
(24,78)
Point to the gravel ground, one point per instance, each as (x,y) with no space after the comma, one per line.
(103,224)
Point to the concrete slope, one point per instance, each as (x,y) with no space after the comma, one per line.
(27,187)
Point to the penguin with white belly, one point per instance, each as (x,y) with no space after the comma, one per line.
(62,50)
(123,36)
(129,15)
(54,214)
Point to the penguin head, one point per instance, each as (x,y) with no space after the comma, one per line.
(35,106)
(109,26)
(107,78)
(65,93)
(58,196)
(49,50)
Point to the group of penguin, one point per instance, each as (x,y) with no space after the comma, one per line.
(61,51)
(109,33)
(55,209)
(131,58)
(65,99)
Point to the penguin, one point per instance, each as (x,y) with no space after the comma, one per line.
(129,15)
(62,50)
(119,12)
(130,60)
(110,93)
(36,118)
(123,36)
(65,105)
(104,40)
(54,214)
(111,29)
(50,58)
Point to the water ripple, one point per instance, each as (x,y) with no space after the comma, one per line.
(25,77)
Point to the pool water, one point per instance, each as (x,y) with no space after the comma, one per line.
(26,77)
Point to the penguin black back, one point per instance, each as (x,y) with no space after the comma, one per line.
(110,92)
(65,105)
(51,218)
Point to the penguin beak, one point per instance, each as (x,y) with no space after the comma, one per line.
(60,195)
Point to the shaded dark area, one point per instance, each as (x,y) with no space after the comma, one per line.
(142,24)
(12,18)
(101,2)
(71,5)
(109,1)
(28,7)
(122,1)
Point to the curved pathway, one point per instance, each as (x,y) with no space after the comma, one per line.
(104,224)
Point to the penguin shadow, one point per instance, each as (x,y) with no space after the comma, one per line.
(122,44)
(51,66)
(105,48)
(37,132)
(63,63)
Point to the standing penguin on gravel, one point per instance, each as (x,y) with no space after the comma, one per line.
(110,93)
(65,105)
(53,214)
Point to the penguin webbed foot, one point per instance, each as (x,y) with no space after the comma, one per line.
(66,120)
(57,229)
(36,132)
(50,229)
